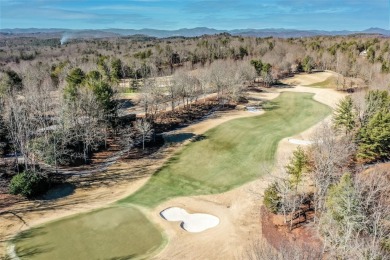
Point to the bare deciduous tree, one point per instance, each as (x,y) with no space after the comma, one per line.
(329,155)
(127,138)
(262,250)
(144,128)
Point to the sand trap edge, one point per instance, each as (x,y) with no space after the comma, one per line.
(193,223)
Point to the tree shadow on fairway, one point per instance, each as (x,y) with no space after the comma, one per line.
(59,191)
(282,85)
(270,105)
(28,251)
(199,138)
(29,234)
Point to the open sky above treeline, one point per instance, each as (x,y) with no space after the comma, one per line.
(175,14)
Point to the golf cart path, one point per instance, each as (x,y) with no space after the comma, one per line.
(237,209)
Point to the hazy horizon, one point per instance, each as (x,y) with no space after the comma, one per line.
(329,15)
(188,28)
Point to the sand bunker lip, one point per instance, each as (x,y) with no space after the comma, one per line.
(193,223)
(300,142)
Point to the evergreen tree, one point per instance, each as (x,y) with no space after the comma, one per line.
(344,117)
(116,70)
(308,64)
(374,138)
(296,167)
(266,73)
(375,100)
(104,95)
(104,69)
(272,198)
(74,79)
(258,65)
(342,202)
(93,75)
(102,90)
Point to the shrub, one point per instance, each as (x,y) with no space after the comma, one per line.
(385,244)
(272,198)
(29,184)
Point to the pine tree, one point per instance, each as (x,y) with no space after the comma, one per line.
(374,138)
(342,202)
(308,64)
(116,70)
(297,166)
(258,65)
(74,79)
(344,116)
(272,198)
(375,100)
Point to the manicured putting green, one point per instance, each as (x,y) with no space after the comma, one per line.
(110,233)
(231,154)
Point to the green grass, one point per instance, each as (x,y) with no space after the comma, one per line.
(232,153)
(110,233)
(330,82)
(225,157)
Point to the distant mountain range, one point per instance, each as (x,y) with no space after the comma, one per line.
(199,31)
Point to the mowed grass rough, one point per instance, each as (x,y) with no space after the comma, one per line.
(110,233)
(330,82)
(231,154)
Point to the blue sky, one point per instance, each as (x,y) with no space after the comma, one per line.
(175,14)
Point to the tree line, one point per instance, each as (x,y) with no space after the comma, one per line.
(358,56)
(56,118)
(351,203)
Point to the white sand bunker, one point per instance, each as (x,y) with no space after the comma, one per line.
(193,223)
(300,142)
(253,109)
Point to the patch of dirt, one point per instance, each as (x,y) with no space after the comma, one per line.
(278,234)
(381,167)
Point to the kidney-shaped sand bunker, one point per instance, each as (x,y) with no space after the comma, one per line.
(193,223)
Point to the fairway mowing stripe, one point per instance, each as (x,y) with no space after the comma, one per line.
(231,152)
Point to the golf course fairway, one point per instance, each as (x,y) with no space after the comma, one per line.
(225,157)
(231,154)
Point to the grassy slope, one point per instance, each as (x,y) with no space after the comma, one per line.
(111,233)
(327,83)
(232,153)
